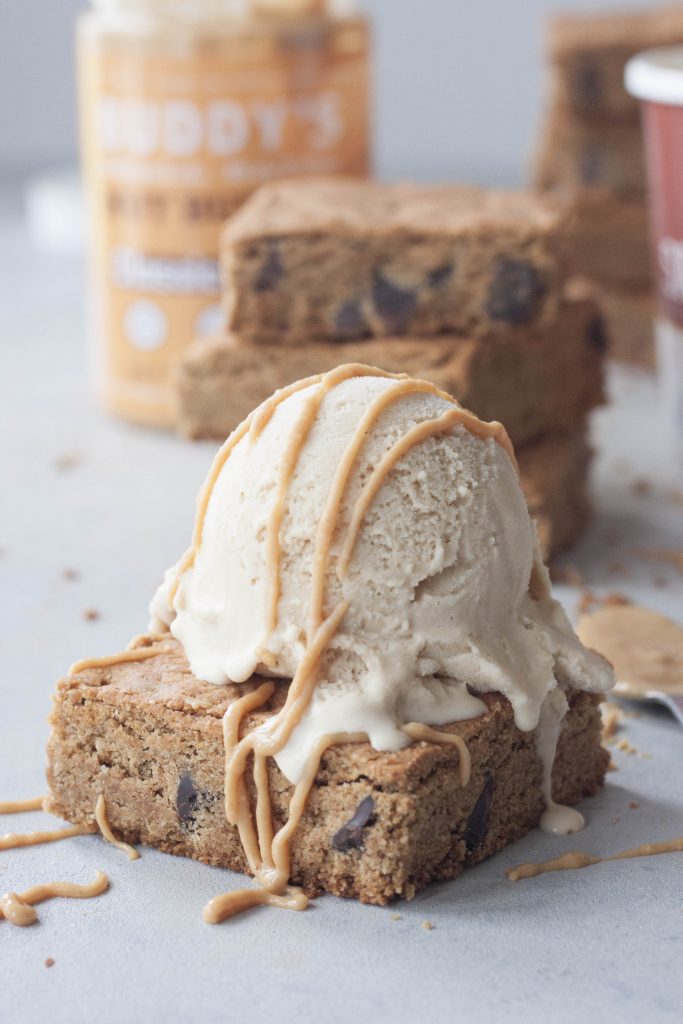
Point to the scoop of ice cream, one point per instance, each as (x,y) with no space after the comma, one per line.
(433,573)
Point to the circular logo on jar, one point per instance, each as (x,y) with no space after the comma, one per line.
(145,325)
(209,321)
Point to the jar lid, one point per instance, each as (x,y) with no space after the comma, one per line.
(656,75)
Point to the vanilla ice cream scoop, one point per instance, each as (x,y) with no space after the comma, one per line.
(365,529)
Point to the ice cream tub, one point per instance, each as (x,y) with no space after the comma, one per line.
(655,77)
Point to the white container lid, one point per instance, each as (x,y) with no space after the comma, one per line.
(656,75)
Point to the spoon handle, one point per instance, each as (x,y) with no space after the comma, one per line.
(674,702)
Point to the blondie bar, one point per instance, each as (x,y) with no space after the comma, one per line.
(589,52)
(630,324)
(338,260)
(578,154)
(554,478)
(536,383)
(148,736)
(608,238)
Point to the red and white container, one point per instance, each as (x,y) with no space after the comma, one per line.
(655,77)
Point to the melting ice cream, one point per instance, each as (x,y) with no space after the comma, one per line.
(425,544)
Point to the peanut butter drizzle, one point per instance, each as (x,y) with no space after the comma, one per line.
(18,908)
(573,861)
(330,516)
(418,731)
(420,432)
(14,840)
(272,869)
(20,806)
(135,654)
(229,904)
(269,855)
(236,800)
(105,829)
(288,466)
(253,425)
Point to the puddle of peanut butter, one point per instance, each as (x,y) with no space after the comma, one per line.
(645,648)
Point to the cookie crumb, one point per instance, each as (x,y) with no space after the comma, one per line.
(672,556)
(91,614)
(621,466)
(568,574)
(49,962)
(626,747)
(66,462)
(612,766)
(396,917)
(641,487)
(70,574)
(634,805)
(616,819)
(587,601)
(611,717)
(428,926)
(615,598)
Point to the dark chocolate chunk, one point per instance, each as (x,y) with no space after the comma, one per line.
(394,304)
(515,291)
(478,821)
(596,334)
(349,321)
(189,800)
(592,164)
(350,835)
(270,272)
(439,275)
(586,85)
(186,800)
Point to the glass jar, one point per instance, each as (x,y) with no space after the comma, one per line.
(187,106)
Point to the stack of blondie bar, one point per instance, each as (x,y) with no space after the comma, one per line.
(462,286)
(591,151)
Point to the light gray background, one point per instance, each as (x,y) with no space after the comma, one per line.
(458,84)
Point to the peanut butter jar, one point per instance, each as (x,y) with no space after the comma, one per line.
(186,106)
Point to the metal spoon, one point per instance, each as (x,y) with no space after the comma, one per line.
(672,701)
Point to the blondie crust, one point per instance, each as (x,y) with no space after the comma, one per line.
(535,383)
(338,260)
(147,735)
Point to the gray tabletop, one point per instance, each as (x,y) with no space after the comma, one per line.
(116,504)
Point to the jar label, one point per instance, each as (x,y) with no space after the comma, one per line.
(172,144)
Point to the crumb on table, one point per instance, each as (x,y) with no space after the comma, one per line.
(69,460)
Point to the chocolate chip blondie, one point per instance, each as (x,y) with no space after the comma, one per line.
(148,736)
(589,52)
(535,382)
(577,154)
(339,260)
(554,478)
(608,238)
(629,316)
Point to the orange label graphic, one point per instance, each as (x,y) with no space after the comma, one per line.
(172,144)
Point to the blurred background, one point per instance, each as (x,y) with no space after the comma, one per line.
(445,70)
